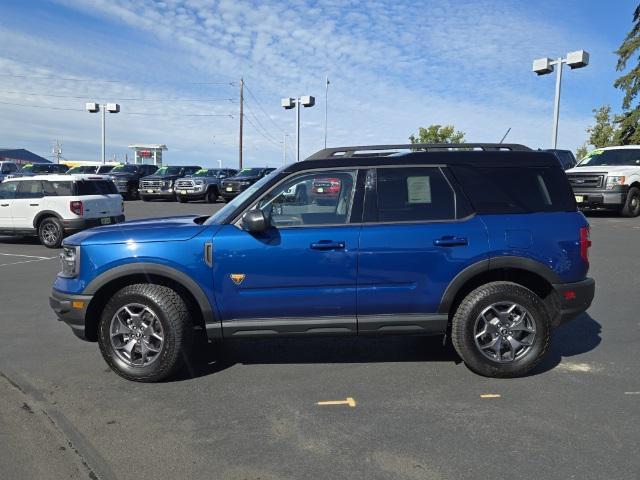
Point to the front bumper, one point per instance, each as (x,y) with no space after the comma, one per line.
(157,193)
(575,298)
(71,309)
(193,194)
(78,224)
(601,199)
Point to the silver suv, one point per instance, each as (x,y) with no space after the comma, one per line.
(202,185)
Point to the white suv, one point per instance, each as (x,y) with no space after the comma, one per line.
(608,179)
(52,206)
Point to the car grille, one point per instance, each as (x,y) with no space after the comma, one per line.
(151,183)
(235,186)
(580,181)
(186,184)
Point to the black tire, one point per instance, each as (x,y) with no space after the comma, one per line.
(143,198)
(182,199)
(171,311)
(51,232)
(463,330)
(212,195)
(631,207)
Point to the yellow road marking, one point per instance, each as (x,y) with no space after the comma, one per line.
(490,395)
(348,401)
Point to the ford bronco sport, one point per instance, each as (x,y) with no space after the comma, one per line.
(479,242)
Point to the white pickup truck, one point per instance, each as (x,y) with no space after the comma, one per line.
(52,206)
(608,179)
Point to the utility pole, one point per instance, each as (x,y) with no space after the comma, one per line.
(57,151)
(241,119)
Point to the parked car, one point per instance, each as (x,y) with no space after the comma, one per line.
(161,184)
(52,206)
(326,189)
(90,169)
(608,179)
(234,186)
(202,185)
(566,158)
(484,246)
(127,178)
(31,169)
(7,168)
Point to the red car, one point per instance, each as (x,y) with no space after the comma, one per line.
(326,189)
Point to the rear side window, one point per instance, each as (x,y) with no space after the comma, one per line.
(95,187)
(516,189)
(414,195)
(57,189)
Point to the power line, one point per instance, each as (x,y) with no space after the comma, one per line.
(124,99)
(266,132)
(263,110)
(262,134)
(71,79)
(47,107)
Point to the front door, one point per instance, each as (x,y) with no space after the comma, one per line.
(298,277)
(7,197)
(413,243)
(27,204)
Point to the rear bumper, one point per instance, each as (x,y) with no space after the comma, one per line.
(77,224)
(601,199)
(71,309)
(575,298)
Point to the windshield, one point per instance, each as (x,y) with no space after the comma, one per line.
(82,169)
(249,172)
(164,171)
(35,168)
(230,207)
(124,168)
(623,156)
(205,173)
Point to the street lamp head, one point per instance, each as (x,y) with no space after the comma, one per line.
(542,66)
(577,59)
(288,103)
(113,107)
(92,107)
(308,101)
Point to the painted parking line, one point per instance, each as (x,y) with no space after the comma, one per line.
(490,395)
(632,393)
(32,258)
(26,256)
(347,401)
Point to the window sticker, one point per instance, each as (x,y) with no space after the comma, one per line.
(419,189)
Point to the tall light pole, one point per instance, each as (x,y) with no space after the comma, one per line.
(94,107)
(543,66)
(288,104)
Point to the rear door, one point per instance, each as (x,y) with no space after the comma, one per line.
(7,197)
(27,204)
(418,234)
(100,198)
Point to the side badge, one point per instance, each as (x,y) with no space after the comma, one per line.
(237,278)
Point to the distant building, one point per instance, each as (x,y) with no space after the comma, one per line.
(21,156)
(148,153)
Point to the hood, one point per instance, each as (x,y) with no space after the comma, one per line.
(161,177)
(148,230)
(613,169)
(123,174)
(242,179)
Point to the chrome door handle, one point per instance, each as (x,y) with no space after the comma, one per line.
(327,245)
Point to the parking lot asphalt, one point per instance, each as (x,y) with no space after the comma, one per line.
(249,409)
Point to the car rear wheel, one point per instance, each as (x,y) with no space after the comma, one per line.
(632,205)
(145,332)
(501,329)
(51,232)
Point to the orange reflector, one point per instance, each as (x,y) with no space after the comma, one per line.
(77,304)
(569,295)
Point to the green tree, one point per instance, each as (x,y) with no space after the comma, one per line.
(603,133)
(629,131)
(437,134)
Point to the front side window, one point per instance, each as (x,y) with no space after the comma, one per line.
(318,198)
(8,190)
(414,194)
(30,189)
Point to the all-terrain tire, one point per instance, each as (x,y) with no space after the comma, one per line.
(171,311)
(51,232)
(463,329)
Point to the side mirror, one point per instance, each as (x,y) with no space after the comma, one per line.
(254,221)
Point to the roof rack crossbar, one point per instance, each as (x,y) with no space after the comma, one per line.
(351,151)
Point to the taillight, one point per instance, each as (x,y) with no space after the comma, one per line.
(77,208)
(585,243)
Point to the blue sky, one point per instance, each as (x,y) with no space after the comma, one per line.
(393,66)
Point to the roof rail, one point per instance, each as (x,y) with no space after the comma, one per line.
(385,150)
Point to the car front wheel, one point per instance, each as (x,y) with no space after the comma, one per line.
(632,205)
(501,329)
(145,332)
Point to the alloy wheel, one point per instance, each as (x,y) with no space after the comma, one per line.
(137,336)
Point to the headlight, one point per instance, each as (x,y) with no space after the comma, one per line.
(614,181)
(245,183)
(199,182)
(70,262)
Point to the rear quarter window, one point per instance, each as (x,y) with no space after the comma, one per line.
(495,190)
(95,187)
(57,189)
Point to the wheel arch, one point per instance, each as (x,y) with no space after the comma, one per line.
(103,287)
(44,214)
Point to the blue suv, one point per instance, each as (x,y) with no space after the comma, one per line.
(482,243)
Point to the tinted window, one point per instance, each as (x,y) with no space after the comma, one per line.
(250,172)
(104,169)
(623,156)
(124,168)
(95,187)
(516,189)
(413,194)
(57,189)
(30,189)
(8,190)
(82,169)
(321,198)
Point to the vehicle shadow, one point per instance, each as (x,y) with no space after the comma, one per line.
(579,336)
(28,240)
(215,357)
